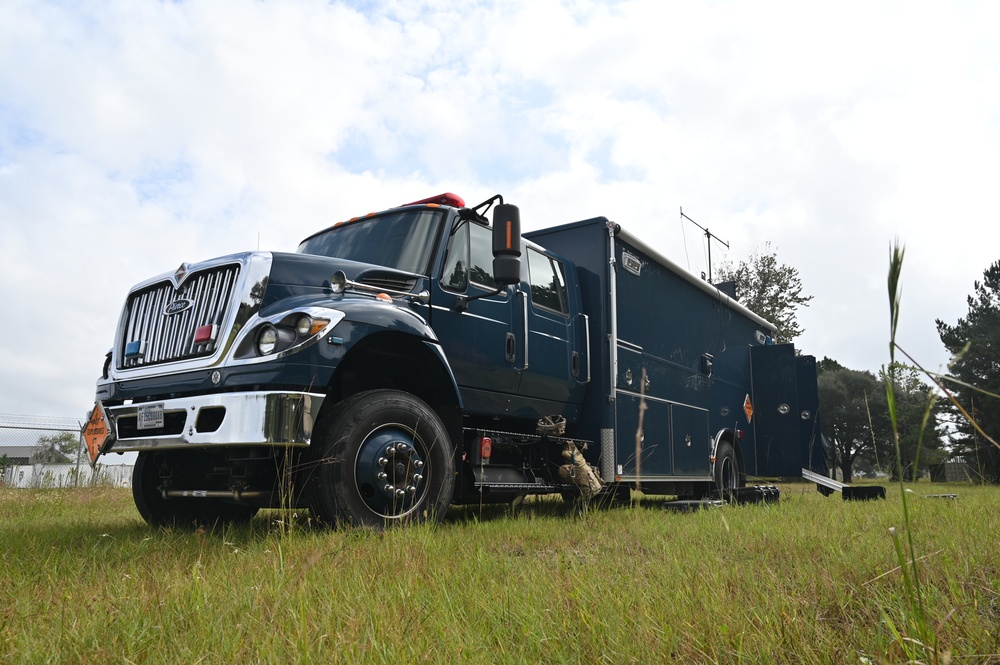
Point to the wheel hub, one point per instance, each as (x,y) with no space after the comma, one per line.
(390,471)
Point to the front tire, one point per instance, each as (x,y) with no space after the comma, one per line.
(380,457)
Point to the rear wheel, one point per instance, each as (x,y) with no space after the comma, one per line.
(728,474)
(380,457)
(180,512)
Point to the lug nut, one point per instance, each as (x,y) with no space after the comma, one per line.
(417,478)
(418,464)
(382,461)
(390,451)
(387,489)
(400,493)
(382,475)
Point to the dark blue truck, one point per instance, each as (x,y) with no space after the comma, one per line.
(415,358)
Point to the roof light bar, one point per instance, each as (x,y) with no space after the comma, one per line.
(446,199)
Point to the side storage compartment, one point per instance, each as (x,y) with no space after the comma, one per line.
(785,412)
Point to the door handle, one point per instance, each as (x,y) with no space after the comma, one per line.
(524,317)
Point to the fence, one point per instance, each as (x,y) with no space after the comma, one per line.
(37,451)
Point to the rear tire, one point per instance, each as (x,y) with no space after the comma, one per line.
(181,512)
(378,458)
(728,474)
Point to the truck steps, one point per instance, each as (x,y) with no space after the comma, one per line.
(765,494)
(692,505)
(751,495)
(828,486)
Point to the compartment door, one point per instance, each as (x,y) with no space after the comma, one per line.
(654,446)
(776,419)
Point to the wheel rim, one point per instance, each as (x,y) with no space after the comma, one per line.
(391,471)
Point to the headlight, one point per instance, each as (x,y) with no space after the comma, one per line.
(303,326)
(267,340)
(270,338)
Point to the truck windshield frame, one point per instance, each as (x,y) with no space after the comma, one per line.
(403,240)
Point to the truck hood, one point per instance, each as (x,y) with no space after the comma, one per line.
(299,274)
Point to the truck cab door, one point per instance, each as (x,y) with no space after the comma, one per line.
(480,337)
(551,371)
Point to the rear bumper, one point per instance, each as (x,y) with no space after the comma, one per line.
(227,419)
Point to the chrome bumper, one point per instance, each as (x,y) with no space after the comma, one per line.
(230,419)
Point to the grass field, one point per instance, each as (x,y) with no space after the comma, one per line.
(810,580)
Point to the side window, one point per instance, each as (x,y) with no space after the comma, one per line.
(470,258)
(548,282)
(455,275)
(481,256)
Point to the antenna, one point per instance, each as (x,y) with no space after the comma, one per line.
(708,240)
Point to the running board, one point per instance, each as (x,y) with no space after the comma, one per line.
(828,486)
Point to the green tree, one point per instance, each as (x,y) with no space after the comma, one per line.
(847,397)
(56,448)
(771,289)
(827,365)
(921,442)
(974,343)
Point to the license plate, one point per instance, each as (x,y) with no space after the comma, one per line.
(150,416)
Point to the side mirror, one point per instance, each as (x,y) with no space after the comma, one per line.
(506,244)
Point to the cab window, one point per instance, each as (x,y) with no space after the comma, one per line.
(548,282)
(470,258)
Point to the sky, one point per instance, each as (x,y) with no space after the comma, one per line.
(135,135)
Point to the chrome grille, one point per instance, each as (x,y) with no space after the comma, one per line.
(160,338)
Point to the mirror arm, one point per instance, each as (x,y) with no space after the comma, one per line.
(462,302)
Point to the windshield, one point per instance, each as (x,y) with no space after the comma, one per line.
(403,241)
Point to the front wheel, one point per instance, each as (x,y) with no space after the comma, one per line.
(380,457)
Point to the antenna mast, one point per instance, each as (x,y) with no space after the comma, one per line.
(708,241)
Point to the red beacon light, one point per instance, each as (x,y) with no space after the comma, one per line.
(446,199)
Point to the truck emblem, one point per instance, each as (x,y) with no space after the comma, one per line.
(183,270)
(178,306)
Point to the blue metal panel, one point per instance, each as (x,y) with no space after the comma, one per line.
(783,423)
(690,442)
(586,244)
(809,403)
(668,326)
(693,347)
(653,449)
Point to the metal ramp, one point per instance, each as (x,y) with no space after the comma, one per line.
(763,494)
(828,486)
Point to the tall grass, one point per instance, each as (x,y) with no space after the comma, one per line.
(809,580)
(916,633)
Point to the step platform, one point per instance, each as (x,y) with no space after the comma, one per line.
(827,486)
(763,494)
